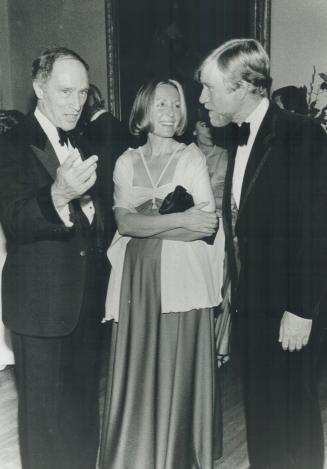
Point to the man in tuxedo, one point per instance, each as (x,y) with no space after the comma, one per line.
(54,275)
(273,210)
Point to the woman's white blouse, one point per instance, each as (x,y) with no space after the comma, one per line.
(191,272)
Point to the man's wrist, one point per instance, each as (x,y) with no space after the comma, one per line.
(60,204)
(58,200)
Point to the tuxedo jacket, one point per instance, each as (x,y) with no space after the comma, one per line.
(281,224)
(44,273)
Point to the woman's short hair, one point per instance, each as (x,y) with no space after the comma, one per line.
(43,65)
(140,118)
(242,60)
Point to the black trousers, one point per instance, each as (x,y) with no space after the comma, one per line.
(57,381)
(284,428)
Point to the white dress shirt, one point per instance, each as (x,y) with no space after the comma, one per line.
(243,152)
(62,152)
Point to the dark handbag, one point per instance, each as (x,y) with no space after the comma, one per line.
(178,201)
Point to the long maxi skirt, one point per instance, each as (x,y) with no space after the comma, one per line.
(162,408)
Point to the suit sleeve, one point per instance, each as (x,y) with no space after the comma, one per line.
(308,251)
(26,209)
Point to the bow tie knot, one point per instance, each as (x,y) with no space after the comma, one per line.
(241,133)
(66,137)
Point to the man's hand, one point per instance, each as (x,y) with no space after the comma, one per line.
(294,331)
(74,178)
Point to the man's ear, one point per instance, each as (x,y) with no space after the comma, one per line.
(243,89)
(38,88)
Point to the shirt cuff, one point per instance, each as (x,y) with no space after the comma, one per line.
(64,214)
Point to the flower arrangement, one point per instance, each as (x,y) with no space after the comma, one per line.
(317,97)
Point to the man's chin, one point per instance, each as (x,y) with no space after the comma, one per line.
(218,121)
(69,126)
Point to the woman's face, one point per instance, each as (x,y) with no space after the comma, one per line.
(203,134)
(166,111)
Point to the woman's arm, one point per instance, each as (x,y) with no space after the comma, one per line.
(181,234)
(172,226)
(196,223)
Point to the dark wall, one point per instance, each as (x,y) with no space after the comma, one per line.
(34,25)
(157,37)
(169,38)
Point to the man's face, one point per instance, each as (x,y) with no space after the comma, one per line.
(222,102)
(62,96)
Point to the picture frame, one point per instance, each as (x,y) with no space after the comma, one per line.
(260,29)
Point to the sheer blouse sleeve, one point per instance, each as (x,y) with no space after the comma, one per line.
(198,178)
(123,177)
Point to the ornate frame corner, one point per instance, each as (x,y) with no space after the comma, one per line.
(113,61)
(261,22)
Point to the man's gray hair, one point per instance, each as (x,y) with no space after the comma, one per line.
(241,60)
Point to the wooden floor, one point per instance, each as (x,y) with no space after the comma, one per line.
(235,454)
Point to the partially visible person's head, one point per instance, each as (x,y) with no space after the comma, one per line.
(60,81)
(9,118)
(233,76)
(202,128)
(291,98)
(159,107)
(95,101)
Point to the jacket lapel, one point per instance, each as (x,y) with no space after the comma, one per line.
(259,155)
(47,158)
(44,152)
(228,191)
(41,146)
(231,265)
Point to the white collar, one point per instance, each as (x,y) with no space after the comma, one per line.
(51,132)
(256,117)
(49,128)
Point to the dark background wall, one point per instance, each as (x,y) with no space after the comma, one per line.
(33,25)
(157,37)
(169,38)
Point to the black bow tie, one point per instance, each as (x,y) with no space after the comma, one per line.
(241,133)
(65,137)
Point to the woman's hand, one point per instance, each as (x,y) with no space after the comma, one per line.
(196,219)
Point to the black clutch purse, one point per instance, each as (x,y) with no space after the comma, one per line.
(178,201)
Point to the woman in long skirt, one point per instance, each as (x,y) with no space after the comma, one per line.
(162,408)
